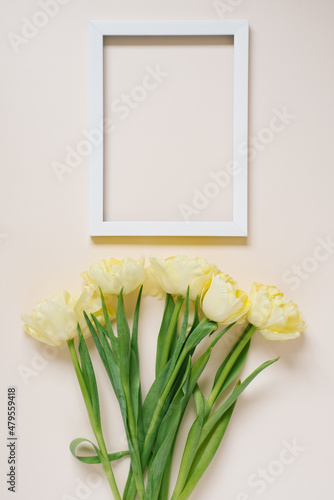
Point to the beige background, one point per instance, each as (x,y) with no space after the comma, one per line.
(45,245)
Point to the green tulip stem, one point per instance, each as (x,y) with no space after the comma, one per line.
(251,329)
(96,426)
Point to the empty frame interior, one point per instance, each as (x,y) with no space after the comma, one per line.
(169,147)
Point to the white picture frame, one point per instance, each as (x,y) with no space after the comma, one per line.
(239,29)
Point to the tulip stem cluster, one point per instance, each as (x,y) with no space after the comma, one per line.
(198,298)
(152,427)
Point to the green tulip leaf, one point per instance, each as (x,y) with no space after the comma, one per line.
(95,459)
(211,422)
(89,377)
(135,386)
(109,329)
(123,335)
(165,439)
(167,340)
(205,454)
(166,322)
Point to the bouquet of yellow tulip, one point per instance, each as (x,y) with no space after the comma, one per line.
(198,297)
